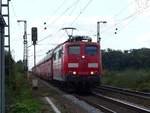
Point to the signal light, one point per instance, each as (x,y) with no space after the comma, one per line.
(34,34)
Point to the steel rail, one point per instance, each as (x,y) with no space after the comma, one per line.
(126,91)
(98,106)
(131,106)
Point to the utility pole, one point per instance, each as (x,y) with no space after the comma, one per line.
(99,38)
(98,30)
(25,42)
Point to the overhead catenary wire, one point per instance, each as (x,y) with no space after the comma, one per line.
(121,11)
(63,13)
(84,8)
(74,7)
(56,19)
(59,7)
(55,12)
(15,16)
(128,19)
(77,1)
(119,22)
(71,12)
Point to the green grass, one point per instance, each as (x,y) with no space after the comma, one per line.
(133,79)
(25,106)
(21,97)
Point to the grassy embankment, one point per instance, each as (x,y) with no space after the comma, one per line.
(19,97)
(133,79)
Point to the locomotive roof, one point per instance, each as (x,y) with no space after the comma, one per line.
(74,39)
(49,54)
(79,38)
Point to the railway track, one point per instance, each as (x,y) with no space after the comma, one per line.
(126,91)
(108,104)
(117,100)
(112,105)
(136,97)
(96,105)
(124,104)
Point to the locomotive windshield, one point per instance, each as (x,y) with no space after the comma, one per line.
(91,50)
(75,50)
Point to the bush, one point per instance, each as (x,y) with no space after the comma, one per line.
(26,106)
(133,79)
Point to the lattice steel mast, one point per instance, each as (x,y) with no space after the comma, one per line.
(25,42)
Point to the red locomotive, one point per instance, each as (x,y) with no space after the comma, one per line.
(76,63)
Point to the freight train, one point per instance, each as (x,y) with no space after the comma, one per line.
(76,63)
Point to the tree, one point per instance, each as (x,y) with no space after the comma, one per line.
(120,60)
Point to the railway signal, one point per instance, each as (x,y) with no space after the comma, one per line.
(34,34)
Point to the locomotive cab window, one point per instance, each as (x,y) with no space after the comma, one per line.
(54,57)
(60,53)
(90,50)
(74,50)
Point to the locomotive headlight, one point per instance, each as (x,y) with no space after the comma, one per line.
(74,72)
(92,73)
(83,56)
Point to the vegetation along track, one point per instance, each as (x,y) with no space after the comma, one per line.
(136,97)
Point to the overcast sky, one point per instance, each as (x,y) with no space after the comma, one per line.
(130,17)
